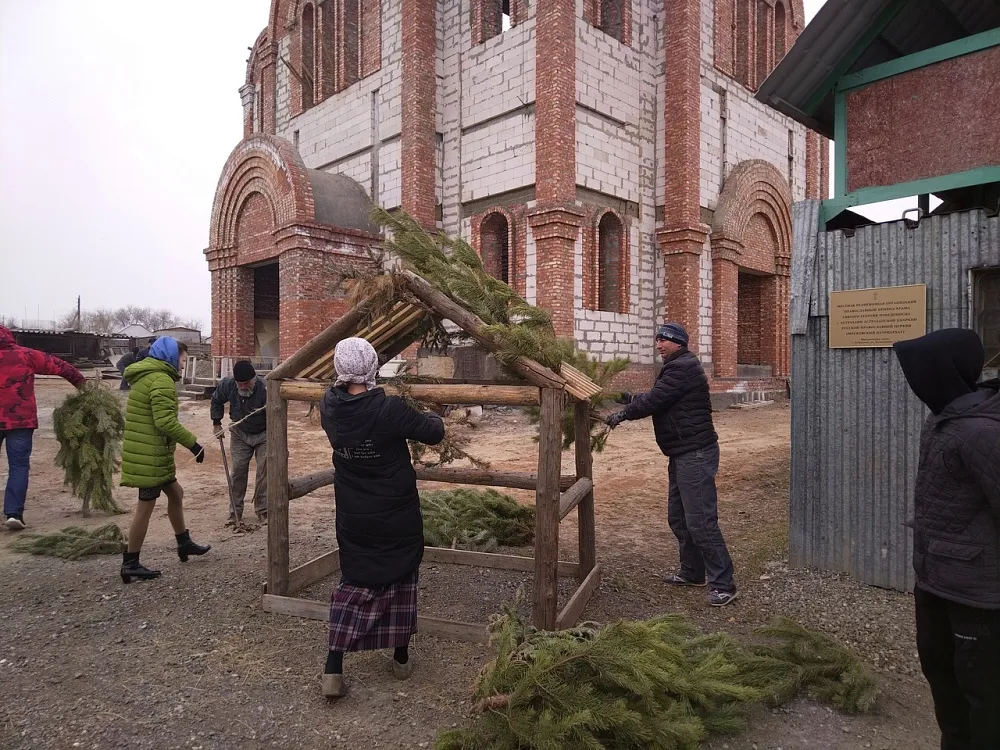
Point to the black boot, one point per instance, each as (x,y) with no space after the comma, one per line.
(186,547)
(133,570)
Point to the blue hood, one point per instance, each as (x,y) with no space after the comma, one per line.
(165,349)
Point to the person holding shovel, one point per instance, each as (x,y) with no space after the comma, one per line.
(246,394)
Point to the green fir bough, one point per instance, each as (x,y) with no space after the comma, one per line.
(73,542)
(89,426)
(476,519)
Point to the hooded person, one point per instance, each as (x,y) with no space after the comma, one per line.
(246,394)
(19,415)
(956,534)
(152,432)
(379,525)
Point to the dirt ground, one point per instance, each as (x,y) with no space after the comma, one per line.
(191,661)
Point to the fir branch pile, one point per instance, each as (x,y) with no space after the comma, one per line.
(657,684)
(73,542)
(454,268)
(479,520)
(89,426)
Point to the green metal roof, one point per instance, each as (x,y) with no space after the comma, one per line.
(849,35)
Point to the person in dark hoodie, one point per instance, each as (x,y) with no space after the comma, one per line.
(379,525)
(956,535)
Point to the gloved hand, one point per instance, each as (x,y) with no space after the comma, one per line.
(613,420)
(625,399)
(218,427)
(199,453)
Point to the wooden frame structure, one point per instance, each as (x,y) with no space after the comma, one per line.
(305,376)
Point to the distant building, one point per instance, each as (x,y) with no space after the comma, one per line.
(181,333)
(134,331)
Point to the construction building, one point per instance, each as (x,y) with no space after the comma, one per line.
(606,157)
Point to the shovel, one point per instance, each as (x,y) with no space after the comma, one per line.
(229,479)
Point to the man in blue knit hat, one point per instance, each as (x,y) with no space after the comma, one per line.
(681,409)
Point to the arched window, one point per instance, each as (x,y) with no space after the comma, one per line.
(308,55)
(495,17)
(494,246)
(610,264)
(779,31)
(328,46)
(613,17)
(763,48)
(741,68)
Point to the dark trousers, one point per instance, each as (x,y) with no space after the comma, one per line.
(959,649)
(693,513)
(18,466)
(244,446)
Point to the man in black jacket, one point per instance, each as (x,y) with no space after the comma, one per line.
(127,359)
(681,409)
(246,394)
(956,535)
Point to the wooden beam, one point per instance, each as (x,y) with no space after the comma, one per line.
(546,590)
(490,395)
(277,490)
(315,570)
(574,495)
(578,602)
(446,307)
(586,525)
(433,626)
(492,560)
(321,343)
(301,486)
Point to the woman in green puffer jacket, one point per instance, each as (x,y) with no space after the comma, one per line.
(152,431)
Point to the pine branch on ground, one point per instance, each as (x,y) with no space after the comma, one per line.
(476,519)
(89,426)
(655,684)
(73,542)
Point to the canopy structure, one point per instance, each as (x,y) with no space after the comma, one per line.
(307,374)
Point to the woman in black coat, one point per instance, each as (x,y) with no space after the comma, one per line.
(379,526)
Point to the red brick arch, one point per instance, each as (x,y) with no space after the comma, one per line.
(753,190)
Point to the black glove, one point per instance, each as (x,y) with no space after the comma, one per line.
(199,453)
(625,399)
(217,425)
(613,420)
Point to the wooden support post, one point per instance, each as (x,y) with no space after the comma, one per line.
(492,560)
(547,509)
(301,486)
(277,490)
(572,497)
(585,469)
(578,602)
(315,570)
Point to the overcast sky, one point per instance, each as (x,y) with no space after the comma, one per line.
(117,119)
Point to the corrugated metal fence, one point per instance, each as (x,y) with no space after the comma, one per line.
(855,423)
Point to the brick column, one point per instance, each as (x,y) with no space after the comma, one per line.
(419,93)
(812,165)
(268,80)
(682,250)
(782,365)
(309,296)
(232,312)
(725,305)
(555,231)
(247,94)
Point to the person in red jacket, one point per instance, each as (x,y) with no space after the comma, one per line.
(19,414)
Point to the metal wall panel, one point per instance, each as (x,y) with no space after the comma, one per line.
(855,423)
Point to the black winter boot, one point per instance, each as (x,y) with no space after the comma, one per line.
(186,547)
(133,570)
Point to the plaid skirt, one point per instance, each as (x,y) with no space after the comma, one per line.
(363,619)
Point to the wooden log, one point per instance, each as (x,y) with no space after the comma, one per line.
(492,560)
(433,626)
(277,490)
(586,525)
(500,395)
(574,495)
(301,486)
(315,570)
(546,591)
(446,307)
(578,602)
(321,343)
(486,477)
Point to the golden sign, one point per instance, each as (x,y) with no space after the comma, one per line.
(877,318)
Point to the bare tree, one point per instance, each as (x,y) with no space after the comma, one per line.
(107,321)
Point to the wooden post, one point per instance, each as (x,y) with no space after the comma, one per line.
(585,468)
(547,509)
(277,490)
(346,325)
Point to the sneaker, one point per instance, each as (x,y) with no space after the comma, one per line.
(718,598)
(676,579)
(15,523)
